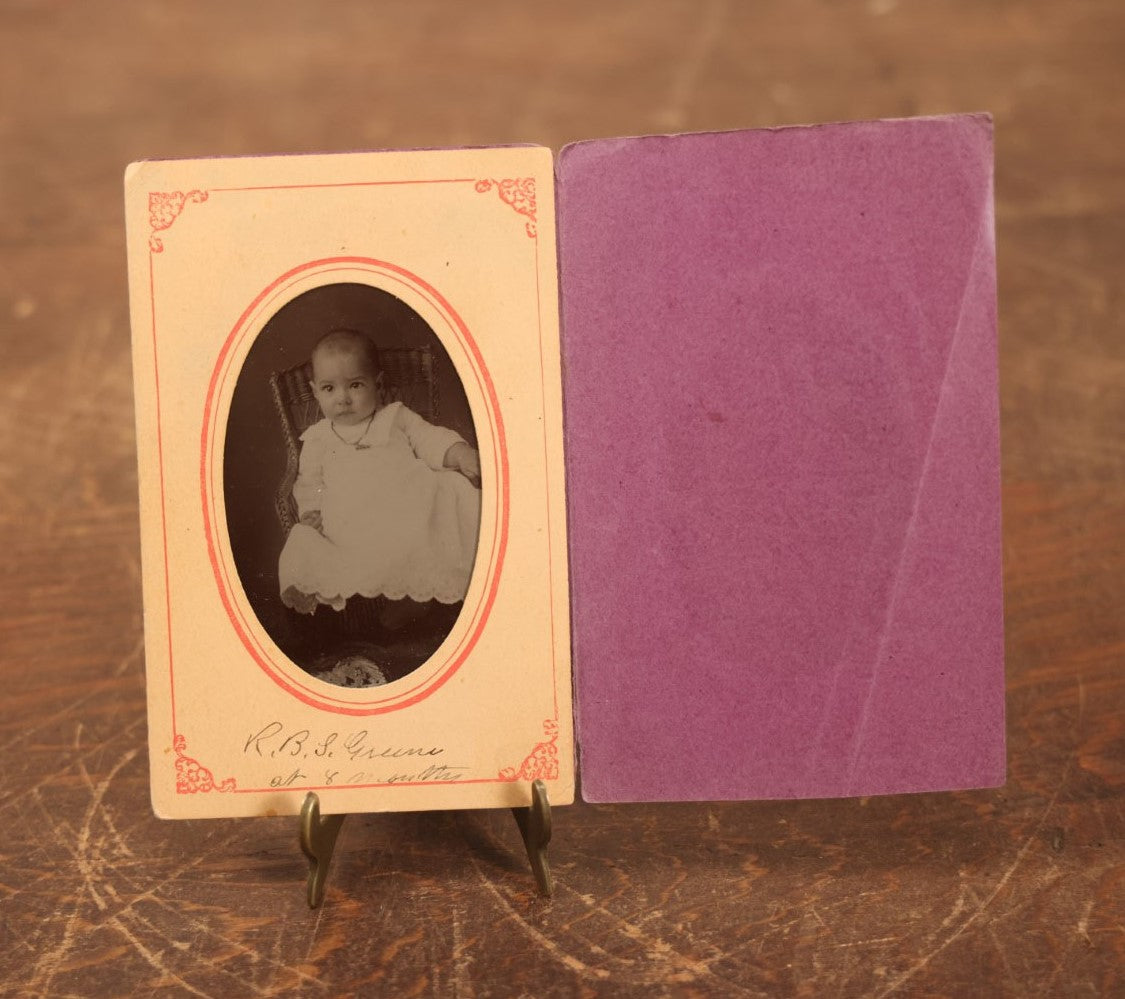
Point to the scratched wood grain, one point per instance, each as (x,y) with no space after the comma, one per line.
(1018,891)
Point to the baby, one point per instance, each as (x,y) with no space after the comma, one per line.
(389,504)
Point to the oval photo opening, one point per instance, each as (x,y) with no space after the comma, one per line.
(352,485)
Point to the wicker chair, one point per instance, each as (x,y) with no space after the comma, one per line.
(408,374)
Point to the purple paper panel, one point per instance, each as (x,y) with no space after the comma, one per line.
(783,461)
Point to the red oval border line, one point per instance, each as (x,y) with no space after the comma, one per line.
(224,373)
(206,470)
(402,695)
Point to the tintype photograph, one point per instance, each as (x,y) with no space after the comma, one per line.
(352,484)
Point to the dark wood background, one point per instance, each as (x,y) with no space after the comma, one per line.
(1017,891)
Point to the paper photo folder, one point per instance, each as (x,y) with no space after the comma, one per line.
(778,428)
(782,451)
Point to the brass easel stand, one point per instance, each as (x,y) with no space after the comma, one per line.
(318,840)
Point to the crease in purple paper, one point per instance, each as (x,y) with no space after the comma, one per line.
(783,461)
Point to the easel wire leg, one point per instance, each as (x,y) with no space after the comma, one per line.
(318,841)
(535,827)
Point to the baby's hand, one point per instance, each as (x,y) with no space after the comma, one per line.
(465,460)
(312,518)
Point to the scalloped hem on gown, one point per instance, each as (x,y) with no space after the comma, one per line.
(429,557)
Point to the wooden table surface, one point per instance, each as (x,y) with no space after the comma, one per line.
(1016,891)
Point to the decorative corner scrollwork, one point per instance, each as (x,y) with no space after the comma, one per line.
(192,777)
(164,207)
(542,763)
(519,193)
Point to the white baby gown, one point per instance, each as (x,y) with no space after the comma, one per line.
(395,523)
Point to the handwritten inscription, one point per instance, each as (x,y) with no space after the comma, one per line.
(329,758)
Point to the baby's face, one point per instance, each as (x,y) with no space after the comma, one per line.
(344,386)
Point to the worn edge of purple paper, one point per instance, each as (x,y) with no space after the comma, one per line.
(683,690)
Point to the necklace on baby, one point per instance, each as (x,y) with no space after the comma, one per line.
(358,442)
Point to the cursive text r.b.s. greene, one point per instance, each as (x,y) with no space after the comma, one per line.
(274,740)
